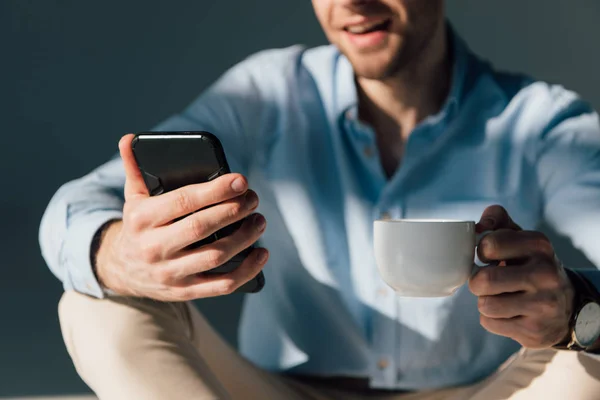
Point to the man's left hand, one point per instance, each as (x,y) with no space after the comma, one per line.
(528,296)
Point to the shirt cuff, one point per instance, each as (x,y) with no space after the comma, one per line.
(75,255)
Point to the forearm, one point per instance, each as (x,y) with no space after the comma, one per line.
(74,215)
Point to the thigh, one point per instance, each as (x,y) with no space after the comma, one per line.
(542,374)
(131,348)
(529,374)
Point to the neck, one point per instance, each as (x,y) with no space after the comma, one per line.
(397,104)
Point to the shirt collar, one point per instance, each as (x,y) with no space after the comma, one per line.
(346,97)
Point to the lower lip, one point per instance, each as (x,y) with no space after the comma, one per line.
(367,40)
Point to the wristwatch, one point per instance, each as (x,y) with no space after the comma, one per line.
(584,324)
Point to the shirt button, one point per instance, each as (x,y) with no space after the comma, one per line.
(385,215)
(383,292)
(383,363)
(368,151)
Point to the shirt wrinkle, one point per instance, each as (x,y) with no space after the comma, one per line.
(287,119)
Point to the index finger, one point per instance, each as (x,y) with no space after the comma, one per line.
(180,202)
(507,244)
(491,281)
(134,182)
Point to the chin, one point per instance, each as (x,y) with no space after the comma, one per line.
(371,69)
(375,65)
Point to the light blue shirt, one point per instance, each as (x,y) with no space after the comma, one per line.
(287,120)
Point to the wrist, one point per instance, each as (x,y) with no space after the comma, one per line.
(101,253)
(586,302)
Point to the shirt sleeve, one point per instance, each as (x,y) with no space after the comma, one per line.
(230,108)
(568,170)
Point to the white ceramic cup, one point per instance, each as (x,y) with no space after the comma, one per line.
(425,258)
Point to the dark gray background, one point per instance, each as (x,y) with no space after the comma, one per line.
(78,74)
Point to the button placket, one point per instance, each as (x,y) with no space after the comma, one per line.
(383,363)
(384,334)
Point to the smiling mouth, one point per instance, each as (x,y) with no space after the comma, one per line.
(369,27)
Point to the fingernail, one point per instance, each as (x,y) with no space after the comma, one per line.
(260,222)
(238,185)
(262,256)
(251,200)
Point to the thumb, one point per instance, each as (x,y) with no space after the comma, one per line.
(496,217)
(134,182)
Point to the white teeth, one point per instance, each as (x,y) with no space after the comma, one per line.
(362,28)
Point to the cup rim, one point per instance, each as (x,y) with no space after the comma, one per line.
(427,221)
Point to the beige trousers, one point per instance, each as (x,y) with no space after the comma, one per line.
(142,349)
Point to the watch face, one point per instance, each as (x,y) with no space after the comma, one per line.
(587,326)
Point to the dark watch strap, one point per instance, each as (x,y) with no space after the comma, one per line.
(585,292)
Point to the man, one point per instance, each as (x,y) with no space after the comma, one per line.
(395,120)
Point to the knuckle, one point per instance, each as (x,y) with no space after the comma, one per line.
(150,252)
(128,208)
(553,280)
(533,274)
(197,227)
(489,247)
(184,202)
(549,305)
(225,287)
(162,276)
(541,244)
(234,209)
(135,218)
(229,286)
(216,257)
(548,275)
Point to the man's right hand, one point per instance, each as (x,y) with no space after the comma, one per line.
(145,253)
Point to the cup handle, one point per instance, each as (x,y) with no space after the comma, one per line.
(478,263)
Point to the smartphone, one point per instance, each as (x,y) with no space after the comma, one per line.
(170,160)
